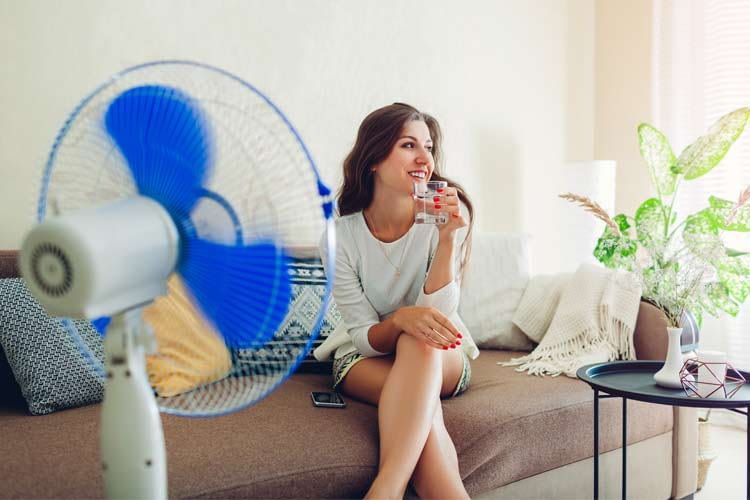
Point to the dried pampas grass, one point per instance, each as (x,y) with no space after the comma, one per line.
(594,208)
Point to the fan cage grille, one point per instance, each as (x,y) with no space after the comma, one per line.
(262,170)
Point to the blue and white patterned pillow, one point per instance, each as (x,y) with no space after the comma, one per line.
(46,361)
(308,290)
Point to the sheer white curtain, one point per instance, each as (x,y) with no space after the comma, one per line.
(701,72)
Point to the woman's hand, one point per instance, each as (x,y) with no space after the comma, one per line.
(428,325)
(446,202)
(453,208)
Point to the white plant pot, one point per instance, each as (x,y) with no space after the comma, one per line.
(669,375)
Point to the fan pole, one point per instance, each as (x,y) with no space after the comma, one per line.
(132,442)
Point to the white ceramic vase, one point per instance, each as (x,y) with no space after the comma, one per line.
(669,375)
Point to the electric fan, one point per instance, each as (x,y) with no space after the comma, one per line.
(181,174)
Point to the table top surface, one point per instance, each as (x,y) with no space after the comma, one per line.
(635,380)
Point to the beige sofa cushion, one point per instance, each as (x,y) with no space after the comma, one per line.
(496,277)
(507,426)
(524,425)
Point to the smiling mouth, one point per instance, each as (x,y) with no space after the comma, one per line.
(419,174)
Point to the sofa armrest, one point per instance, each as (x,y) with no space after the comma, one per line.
(9,264)
(650,334)
(684,452)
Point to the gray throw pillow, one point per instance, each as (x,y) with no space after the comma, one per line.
(45,354)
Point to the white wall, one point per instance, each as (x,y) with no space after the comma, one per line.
(624,99)
(512,83)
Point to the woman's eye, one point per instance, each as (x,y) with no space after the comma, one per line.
(411,145)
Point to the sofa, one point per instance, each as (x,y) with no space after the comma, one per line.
(517,436)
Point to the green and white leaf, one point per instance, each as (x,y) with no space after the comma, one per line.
(707,151)
(731,252)
(623,224)
(649,224)
(707,304)
(617,252)
(737,285)
(736,265)
(658,155)
(701,236)
(718,294)
(734,273)
(722,210)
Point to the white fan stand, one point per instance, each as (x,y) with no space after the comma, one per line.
(132,441)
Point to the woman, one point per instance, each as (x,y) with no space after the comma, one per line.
(397,287)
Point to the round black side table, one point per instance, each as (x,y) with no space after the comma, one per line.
(635,380)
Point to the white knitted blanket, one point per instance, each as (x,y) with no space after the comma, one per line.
(578,319)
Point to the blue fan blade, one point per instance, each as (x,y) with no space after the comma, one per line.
(244,291)
(165,141)
(101,324)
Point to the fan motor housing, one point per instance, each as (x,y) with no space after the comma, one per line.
(100,261)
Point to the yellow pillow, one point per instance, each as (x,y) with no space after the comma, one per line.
(190,354)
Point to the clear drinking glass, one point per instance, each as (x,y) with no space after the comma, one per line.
(428,200)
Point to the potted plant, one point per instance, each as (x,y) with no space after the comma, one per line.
(682,263)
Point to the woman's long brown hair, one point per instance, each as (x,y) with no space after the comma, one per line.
(376,137)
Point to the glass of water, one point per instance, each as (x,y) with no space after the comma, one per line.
(430,202)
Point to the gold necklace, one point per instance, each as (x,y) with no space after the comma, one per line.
(382,248)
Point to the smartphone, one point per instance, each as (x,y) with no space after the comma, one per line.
(328,399)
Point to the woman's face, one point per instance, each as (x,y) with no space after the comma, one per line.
(409,160)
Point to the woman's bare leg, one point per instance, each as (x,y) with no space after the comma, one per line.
(405,411)
(436,474)
(367,381)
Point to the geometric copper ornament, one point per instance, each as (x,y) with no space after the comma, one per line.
(727,387)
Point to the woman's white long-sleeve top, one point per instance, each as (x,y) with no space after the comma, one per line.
(367,289)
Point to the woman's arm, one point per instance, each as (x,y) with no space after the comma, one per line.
(357,313)
(424,323)
(383,336)
(442,270)
(441,289)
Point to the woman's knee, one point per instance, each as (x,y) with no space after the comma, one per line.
(416,350)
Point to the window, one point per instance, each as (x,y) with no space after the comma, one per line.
(701,71)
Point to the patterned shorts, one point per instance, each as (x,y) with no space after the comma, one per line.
(342,366)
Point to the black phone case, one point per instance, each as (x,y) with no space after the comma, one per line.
(328,400)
